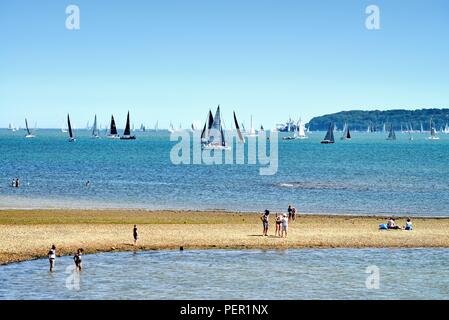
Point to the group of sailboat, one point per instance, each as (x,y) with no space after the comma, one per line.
(298,133)
(212,136)
(111,134)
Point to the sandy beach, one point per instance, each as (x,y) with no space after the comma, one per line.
(28,234)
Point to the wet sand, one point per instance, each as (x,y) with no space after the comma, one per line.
(28,234)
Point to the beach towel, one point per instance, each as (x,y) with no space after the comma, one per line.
(383,226)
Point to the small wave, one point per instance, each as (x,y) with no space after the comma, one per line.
(319,186)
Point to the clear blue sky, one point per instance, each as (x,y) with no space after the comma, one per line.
(173,60)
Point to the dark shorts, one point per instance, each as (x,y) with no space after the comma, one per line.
(265,224)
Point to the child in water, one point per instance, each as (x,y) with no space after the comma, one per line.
(52,257)
(77,259)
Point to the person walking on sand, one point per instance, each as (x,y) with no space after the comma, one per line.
(78,260)
(284,226)
(135,234)
(277,232)
(264,219)
(52,257)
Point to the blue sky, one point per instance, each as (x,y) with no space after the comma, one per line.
(173,60)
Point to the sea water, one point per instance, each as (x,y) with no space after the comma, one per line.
(236,274)
(366,175)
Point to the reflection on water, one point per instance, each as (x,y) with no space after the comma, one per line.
(235,274)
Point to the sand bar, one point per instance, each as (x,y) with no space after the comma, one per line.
(28,234)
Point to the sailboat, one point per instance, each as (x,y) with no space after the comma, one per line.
(171,129)
(300,130)
(69,126)
(329,138)
(29,135)
(239,133)
(142,127)
(433,134)
(346,134)
(113,130)
(215,138)
(252,131)
(127,133)
(207,127)
(391,133)
(95,131)
(409,128)
(156,125)
(12,128)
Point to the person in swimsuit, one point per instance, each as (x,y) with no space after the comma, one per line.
(52,257)
(77,259)
(135,234)
(391,224)
(277,232)
(264,219)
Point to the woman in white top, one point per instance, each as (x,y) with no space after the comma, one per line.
(284,225)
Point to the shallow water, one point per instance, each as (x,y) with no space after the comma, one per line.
(367,175)
(235,274)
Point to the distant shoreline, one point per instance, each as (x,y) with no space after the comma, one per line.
(28,234)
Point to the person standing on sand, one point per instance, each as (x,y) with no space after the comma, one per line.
(289,210)
(77,259)
(13,183)
(264,219)
(293,214)
(284,226)
(52,257)
(17,183)
(277,232)
(135,234)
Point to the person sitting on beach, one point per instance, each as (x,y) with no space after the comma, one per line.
(135,234)
(289,210)
(52,257)
(264,219)
(391,224)
(77,259)
(277,232)
(284,225)
(408,225)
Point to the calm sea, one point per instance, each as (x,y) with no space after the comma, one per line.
(236,274)
(367,175)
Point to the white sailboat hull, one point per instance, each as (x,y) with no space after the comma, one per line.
(215,147)
(29,136)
